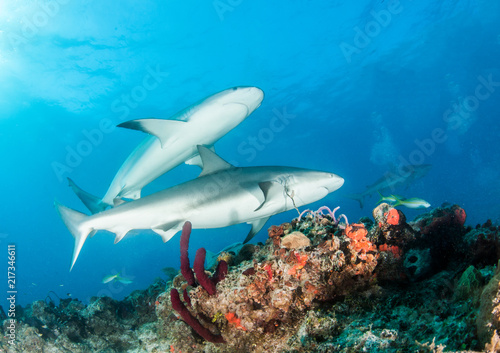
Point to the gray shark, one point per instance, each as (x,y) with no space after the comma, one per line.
(221,196)
(172,142)
(392,180)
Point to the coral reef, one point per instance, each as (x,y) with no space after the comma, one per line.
(207,283)
(316,285)
(104,325)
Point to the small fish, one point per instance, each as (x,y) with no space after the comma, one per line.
(116,277)
(393,179)
(390,198)
(412,203)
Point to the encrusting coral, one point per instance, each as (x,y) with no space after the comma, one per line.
(263,302)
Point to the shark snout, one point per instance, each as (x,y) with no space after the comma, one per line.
(334,182)
(251,97)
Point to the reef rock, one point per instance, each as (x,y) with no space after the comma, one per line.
(295,240)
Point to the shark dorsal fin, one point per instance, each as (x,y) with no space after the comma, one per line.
(211,161)
(167,131)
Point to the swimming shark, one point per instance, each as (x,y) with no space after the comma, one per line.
(172,142)
(392,180)
(222,195)
(212,258)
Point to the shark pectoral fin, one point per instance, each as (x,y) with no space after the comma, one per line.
(131,195)
(168,230)
(165,235)
(118,201)
(254,189)
(210,259)
(273,193)
(211,161)
(196,159)
(256,226)
(165,130)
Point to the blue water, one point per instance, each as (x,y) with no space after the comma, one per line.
(364,84)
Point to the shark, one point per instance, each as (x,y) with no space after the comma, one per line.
(391,180)
(212,258)
(172,142)
(222,195)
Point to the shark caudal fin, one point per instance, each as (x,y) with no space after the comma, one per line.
(74,222)
(93,203)
(358,197)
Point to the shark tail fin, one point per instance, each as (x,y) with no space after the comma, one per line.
(93,203)
(358,197)
(74,222)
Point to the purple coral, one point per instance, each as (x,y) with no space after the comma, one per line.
(320,210)
(303,213)
(319,214)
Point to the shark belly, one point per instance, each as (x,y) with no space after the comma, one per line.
(151,159)
(207,202)
(152,163)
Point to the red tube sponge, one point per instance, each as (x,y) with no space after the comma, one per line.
(220,272)
(199,269)
(186,297)
(178,306)
(186,270)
